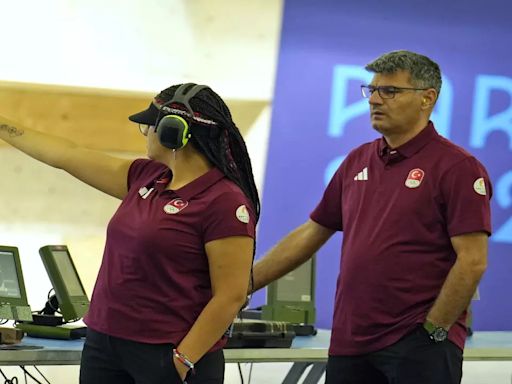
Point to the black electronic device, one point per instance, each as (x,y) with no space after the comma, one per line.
(72,299)
(13,297)
(260,334)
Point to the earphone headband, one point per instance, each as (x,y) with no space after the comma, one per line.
(184,93)
(174,129)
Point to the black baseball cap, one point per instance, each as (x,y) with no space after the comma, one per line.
(160,107)
(148,116)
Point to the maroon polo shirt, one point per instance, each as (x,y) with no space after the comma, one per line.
(397,210)
(154,279)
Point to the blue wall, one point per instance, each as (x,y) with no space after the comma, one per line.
(319,115)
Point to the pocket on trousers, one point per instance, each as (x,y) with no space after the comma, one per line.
(423,332)
(172,376)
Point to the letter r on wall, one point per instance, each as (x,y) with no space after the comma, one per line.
(483,123)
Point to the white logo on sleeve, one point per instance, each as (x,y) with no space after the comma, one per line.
(479,186)
(144,192)
(242,214)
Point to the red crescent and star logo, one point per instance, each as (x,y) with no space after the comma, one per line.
(174,206)
(414,178)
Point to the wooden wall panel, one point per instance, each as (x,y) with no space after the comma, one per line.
(94,118)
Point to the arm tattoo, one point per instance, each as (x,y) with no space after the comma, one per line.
(12,131)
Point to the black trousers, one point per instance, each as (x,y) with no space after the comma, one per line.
(415,359)
(111,360)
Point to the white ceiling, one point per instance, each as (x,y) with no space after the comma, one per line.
(143,45)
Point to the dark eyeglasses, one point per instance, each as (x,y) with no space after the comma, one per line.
(386,91)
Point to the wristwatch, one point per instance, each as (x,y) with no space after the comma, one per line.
(436,334)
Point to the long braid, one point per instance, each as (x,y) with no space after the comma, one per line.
(228,151)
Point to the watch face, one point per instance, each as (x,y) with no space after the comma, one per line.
(439,334)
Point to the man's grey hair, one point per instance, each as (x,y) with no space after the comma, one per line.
(424,72)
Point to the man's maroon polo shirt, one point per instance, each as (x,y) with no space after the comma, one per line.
(154,279)
(397,210)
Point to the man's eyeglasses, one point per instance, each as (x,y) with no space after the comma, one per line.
(144,128)
(387,91)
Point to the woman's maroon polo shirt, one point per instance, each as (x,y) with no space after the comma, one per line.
(397,210)
(154,279)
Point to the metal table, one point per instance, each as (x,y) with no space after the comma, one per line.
(305,351)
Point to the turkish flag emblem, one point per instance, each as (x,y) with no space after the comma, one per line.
(174,206)
(414,178)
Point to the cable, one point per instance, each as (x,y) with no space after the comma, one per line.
(28,373)
(14,380)
(41,373)
(240,371)
(250,374)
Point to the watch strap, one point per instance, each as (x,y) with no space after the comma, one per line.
(429,326)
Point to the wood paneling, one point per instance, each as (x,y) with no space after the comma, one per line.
(95,118)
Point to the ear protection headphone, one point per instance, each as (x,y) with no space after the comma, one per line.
(174,129)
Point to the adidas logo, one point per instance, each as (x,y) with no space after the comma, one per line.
(363,175)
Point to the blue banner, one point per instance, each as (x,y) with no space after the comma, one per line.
(319,115)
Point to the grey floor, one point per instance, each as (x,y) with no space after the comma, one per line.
(474,372)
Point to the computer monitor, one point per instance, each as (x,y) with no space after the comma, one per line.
(73,301)
(13,297)
(292,297)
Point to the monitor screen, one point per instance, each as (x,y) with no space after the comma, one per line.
(9,285)
(13,297)
(296,285)
(68,273)
(292,297)
(71,296)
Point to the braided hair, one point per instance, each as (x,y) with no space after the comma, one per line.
(227,150)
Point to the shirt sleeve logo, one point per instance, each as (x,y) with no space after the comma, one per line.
(174,206)
(414,178)
(479,186)
(242,214)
